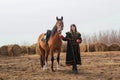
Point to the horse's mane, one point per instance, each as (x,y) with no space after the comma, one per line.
(53,30)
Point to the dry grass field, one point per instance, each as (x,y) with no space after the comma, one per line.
(95,66)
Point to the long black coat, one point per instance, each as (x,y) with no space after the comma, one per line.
(73,48)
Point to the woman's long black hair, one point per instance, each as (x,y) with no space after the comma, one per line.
(73,26)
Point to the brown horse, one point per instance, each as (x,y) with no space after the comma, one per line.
(54,44)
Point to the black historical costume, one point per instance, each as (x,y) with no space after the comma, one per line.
(73,49)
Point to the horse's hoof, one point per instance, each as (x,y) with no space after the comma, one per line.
(45,67)
(58,67)
(53,70)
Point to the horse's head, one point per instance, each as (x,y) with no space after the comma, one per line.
(59,24)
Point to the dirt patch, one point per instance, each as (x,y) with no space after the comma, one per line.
(95,66)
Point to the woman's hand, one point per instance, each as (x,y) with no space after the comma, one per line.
(78,41)
(61,36)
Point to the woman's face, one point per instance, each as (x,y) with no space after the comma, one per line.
(73,28)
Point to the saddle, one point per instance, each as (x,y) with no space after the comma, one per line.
(47,36)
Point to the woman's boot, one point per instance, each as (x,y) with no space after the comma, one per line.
(75,71)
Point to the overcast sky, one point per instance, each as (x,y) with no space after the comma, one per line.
(21,21)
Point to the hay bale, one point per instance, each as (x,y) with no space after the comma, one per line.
(100,47)
(83,48)
(14,50)
(90,47)
(32,49)
(4,50)
(24,49)
(114,47)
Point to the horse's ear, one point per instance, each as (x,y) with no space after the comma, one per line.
(61,17)
(56,18)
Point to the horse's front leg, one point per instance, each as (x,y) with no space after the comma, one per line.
(52,61)
(58,60)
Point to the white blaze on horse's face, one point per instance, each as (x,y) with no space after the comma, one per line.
(59,30)
(60,26)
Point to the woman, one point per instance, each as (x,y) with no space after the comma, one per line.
(73,39)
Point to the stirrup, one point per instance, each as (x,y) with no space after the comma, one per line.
(44,40)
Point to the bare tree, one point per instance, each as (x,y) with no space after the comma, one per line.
(84,38)
(104,37)
(94,38)
(118,37)
(113,37)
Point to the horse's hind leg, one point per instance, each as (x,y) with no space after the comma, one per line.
(46,59)
(47,54)
(41,61)
(42,55)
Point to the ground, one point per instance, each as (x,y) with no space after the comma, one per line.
(95,66)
